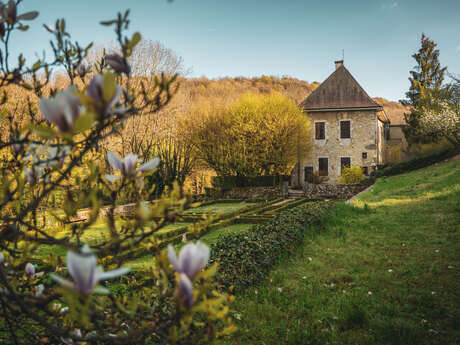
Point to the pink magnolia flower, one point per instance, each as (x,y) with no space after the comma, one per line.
(86,273)
(95,90)
(127,165)
(30,269)
(62,110)
(117,63)
(9,13)
(192,258)
(186,290)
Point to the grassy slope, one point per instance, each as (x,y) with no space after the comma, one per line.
(385,273)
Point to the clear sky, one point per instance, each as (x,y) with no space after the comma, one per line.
(297,38)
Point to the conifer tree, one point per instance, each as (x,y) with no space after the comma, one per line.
(425,81)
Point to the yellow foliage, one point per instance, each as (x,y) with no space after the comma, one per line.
(256,135)
(352,175)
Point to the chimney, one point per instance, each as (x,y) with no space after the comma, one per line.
(338,64)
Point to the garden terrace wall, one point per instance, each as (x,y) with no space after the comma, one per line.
(248,192)
(332,191)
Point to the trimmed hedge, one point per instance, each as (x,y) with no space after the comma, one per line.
(229,182)
(245,258)
(415,163)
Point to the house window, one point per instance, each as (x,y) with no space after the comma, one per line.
(323,165)
(345,129)
(365,171)
(308,174)
(345,162)
(364,154)
(320,130)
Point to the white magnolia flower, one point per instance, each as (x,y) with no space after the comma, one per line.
(86,273)
(39,290)
(30,269)
(192,258)
(117,63)
(127,165)
(62,110)
(103,106)
(186,290)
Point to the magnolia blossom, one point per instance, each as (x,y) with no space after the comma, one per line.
(83,69)
(62,110)
(127,165)
(39,290)
(9,13)
(192,258)
(186,290)
(103,106)
(30,269)
(117,63)
(86,273)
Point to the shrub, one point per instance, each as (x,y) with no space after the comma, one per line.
(415,163)
(58,149)
(245,258)
(352,175)
(229,182)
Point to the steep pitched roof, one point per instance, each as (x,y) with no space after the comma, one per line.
(339,91)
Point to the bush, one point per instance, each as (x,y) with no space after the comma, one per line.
(352,175)
(245,258)
(415,163)
(229,182)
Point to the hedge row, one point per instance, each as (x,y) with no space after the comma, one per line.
(409,165)
(245,258)
(415,163)
(229,182)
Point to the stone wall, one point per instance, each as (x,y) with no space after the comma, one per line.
(363,130)
(248,193)
(333,191)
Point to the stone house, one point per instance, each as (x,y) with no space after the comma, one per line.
(349,129)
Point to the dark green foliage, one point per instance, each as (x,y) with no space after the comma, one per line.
(245,258)
(427,76)
(412,164)
(229,182)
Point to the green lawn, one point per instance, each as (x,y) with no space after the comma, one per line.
(384,271)
(213,236)
(219,207)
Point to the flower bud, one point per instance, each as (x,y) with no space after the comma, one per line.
(117,63)
(30,269)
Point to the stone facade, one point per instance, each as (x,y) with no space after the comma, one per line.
(364,147)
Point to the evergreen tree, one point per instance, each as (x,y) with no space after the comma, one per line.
(425,81)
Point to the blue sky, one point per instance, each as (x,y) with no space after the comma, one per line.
(297,38)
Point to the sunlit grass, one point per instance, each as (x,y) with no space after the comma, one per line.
(385,271)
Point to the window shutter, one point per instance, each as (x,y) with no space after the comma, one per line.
(345,129)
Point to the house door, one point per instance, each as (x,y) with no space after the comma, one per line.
(308,174)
